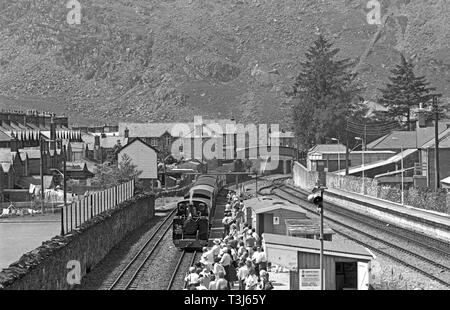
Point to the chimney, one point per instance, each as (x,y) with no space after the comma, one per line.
(52,134)
(14,143)
(127,133)
(97,150)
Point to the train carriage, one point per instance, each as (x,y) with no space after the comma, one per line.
(192,221)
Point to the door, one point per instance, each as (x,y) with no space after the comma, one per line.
(261,223)
(363,276)
(268,223)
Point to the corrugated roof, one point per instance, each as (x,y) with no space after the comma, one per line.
(391,160)
(335,248)
(446,180)
(328,149)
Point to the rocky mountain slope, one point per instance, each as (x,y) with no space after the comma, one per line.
(161,60)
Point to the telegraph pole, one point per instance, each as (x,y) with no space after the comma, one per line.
(41,151)
(64,209)
(321,238)
(347,153)
(436,143)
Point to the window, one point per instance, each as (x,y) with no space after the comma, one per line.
(154,142)
(168,140)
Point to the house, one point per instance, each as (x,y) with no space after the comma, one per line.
(405,139)
(417,149)
(145,157)
(157,135)
(282,138)
(78,171)
(329,157)
(187,140)
(427,160)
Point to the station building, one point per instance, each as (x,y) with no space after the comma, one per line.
(346,266)
(269,214)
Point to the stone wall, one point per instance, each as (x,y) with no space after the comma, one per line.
(54,265)
(304,178)
(415,197)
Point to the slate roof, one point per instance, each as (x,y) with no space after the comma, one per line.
(6,156)
(32,153)
(4,136)
(407,139)
(328,149)
(147,130)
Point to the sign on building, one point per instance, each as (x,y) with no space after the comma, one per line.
(276,220)
(310,279)
(281,257)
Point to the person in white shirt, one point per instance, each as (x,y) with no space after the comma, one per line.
(192,277)
(207,258)
(216,247)
(256,236)
(242,274)
(218,267)
(260,260)
(202,285)
(251,281)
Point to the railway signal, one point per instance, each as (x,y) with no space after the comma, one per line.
(316,197)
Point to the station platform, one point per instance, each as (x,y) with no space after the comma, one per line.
(429,222)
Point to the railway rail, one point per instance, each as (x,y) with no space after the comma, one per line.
(186,260)
(126,279)
(437,271)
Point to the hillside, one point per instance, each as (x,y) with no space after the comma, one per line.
(161,60)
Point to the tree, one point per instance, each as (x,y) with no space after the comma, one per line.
(325,92)
(111,175)
(127,171)
(405,91)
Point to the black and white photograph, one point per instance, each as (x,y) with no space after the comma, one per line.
(225,145)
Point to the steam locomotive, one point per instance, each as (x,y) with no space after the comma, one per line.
(192,221)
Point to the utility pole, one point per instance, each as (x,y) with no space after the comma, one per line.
(436,143)
(64,209)
(321,239)
(347,153)
(41,170)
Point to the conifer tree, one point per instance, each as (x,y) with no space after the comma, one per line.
(325,91)
(405,91)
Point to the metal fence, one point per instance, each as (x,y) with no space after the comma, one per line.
(88,206)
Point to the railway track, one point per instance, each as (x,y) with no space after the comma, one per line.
(429,243)
(186,260)
(125,280)
(424,265)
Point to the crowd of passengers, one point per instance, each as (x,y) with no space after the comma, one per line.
(235,259)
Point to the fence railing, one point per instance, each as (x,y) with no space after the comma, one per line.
(88,206)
